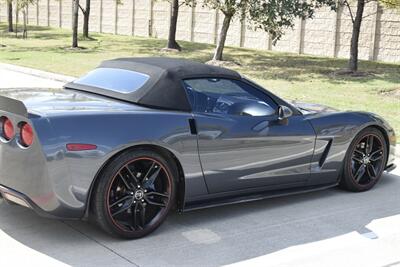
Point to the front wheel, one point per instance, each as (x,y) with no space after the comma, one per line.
(135,193)
(365,161)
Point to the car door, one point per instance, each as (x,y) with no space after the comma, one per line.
(242,144)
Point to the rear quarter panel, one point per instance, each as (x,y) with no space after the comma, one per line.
(73,173)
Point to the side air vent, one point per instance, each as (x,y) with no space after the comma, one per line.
(325,153)
(192,125)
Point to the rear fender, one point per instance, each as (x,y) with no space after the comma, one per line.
(114,133)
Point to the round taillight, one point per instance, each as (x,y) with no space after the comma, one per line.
(8,129)
(26,135)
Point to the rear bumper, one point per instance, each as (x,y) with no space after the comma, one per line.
(15,197)
(36,178)
(39,176)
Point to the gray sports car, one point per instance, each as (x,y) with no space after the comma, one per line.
(137,137)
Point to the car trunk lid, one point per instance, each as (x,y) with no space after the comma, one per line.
(45,102)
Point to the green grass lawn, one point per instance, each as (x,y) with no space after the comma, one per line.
(291,76)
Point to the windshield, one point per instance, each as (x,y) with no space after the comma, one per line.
(117,80)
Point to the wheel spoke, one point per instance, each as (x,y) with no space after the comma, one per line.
(135,216)
(150,181)
(371,171)
(122,209)
(370,144)
(128,225)
(127,185)
(157,194)
(132,176)
(120,201)
(153,164)
(357,159)
(155,203)
(360,173)
(377,155)
(359,152)
(143,213)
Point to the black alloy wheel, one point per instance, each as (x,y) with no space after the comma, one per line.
(139,195)
(365,161)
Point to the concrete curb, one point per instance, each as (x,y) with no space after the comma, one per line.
(38,73)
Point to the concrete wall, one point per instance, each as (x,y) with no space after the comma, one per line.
(328,34)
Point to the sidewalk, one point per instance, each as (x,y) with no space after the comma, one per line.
(30,74)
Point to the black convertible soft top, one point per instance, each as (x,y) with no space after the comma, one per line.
(164,88)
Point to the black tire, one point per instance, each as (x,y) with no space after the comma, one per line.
(132,196)
(364,164)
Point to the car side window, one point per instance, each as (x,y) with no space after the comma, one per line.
(226,96)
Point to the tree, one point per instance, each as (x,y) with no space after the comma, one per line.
(16,18)
(75,16)
(172,43)
(272,16)
(25,18)
(357,19)
(86,16)
(10,15)
(175,4)
(22,6)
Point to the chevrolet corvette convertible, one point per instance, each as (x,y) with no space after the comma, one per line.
(138,137)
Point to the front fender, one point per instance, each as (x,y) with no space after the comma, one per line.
(334,134)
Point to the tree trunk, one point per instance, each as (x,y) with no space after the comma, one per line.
(222,37)
(172,44)
(75,24)
(353,61)
(10,16)
(86,16)
(25,31)
(16,19)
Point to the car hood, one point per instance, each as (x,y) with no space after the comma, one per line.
(309,108)
(55,101)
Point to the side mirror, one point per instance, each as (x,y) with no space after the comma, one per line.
(284,112)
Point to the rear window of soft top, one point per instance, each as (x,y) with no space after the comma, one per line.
(113,79)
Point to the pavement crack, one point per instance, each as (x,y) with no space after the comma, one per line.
(101,244)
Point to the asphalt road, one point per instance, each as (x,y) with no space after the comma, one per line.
(325,228)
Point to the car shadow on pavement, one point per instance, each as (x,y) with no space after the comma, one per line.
(210,237)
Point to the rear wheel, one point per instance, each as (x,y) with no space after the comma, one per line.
(365,161)
(135,193)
